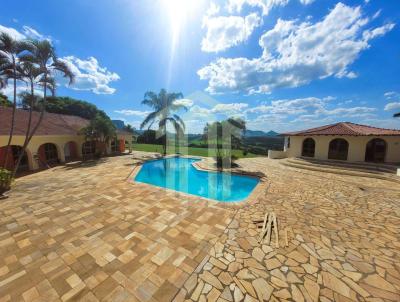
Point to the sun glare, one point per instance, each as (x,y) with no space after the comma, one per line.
(180,13)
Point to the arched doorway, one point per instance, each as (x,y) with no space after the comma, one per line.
(13,154)
(338,149)
(48,155)
(376,151)
(308,149)
(71,151)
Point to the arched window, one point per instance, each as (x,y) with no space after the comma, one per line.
(338,149)
(48,154)
(308,147)
(376,151)
(13,154)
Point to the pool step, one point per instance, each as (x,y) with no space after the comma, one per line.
(361,166)
(341,170)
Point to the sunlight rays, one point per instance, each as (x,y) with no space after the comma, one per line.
(179,13)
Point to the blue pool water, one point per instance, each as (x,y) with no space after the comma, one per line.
(177,173)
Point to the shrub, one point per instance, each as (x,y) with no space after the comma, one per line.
(5,180)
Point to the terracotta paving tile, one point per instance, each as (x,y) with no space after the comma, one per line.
(331,246)
(86,234)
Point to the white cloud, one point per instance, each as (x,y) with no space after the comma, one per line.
(378,32)
(12,32)
(293,106)
(349,112)
(390,94)
(225,32)
(229,109)
(129,112)
(392,106)
(184,102)
(26,33)
(213,9)
(32,33)
(9,90)
(306,2)
(90,76)
(295,54)
(265,5)
(199,112)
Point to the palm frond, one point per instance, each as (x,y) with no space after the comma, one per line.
(178,128)
(7,43)
(179,120)
(50,84)
(27,57)
(149,119)
(64,69)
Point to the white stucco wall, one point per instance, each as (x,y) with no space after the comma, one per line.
(37,141)
(58,140)
(357,147)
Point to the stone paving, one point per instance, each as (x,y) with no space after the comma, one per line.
(344,244)
(87,234)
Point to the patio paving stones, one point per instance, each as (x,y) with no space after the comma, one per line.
(86,234)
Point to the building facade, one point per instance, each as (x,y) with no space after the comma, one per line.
(343,141)
(57,140)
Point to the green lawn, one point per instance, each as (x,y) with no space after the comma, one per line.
(186,150)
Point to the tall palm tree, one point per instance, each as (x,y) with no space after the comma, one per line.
(43,55)
(164,111)
(10,49)
(31,74)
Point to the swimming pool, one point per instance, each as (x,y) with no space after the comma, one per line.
(178,173)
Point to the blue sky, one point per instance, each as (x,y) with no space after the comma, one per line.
(279,64)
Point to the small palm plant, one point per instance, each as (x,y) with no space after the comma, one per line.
(164,107)
(220,136)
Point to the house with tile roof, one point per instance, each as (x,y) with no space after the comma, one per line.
(343,141)
(57,140)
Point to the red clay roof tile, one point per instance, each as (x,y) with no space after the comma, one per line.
(345,128)
(52,124)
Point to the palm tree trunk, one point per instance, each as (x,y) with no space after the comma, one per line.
(26,142)
(42,110)
(12,116)
(165,140)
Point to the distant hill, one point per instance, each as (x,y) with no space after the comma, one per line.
(249,133)
(257,133)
